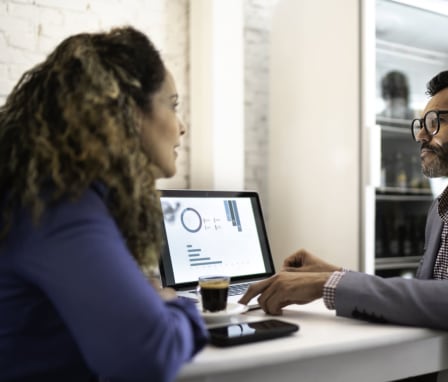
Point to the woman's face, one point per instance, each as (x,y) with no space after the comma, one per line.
(162,129)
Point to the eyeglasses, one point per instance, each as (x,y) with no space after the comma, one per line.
(431,123)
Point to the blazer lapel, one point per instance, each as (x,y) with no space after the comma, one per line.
(433,232)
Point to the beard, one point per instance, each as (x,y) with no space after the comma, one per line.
(438,166)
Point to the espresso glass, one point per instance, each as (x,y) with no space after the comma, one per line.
(213,291)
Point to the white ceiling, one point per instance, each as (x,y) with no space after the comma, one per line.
(414,26)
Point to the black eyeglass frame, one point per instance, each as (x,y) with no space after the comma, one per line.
(423,123)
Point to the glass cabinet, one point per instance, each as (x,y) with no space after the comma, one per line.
(410,49)
(402,199)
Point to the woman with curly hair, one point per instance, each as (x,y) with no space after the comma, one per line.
(83,136)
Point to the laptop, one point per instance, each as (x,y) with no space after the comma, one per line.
(214,232)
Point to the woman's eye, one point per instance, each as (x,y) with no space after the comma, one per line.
(175,105)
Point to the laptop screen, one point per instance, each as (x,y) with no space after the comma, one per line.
(213,232)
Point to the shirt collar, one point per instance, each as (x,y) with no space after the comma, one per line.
(443,205)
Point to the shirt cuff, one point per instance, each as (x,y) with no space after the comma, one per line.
(329,292)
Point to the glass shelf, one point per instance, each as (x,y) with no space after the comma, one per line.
(399,262)
(400,194)
(396,124)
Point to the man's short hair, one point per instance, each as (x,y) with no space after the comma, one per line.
(437,83)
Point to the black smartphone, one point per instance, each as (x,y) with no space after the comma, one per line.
(245,332)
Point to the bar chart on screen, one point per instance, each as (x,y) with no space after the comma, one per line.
(212,235)
(198,259)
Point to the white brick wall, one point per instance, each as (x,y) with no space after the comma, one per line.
(30,29)
(257,29)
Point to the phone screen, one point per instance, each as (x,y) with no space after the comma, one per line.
(245,332)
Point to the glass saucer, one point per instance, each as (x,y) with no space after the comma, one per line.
(232,309)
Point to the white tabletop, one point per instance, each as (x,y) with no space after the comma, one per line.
(325,348)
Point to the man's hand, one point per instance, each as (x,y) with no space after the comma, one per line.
(303,261)
(285,288)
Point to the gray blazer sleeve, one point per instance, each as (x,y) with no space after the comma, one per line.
(417,302)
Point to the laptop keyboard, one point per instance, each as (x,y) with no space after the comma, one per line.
(234,289)
(237,289)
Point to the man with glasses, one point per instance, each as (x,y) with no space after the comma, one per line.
(421,301)
(434,146)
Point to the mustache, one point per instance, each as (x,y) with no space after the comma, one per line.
(438,150)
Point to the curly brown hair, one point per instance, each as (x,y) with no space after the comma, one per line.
(71,121)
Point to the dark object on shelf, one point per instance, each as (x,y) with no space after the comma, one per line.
(395,92)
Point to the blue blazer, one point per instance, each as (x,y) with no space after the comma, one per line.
(74,304)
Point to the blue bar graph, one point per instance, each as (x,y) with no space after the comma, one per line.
(237,216)
(207,263)
(195,257)
(232,214)
(200,259)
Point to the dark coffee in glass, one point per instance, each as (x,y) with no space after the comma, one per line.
(214,290)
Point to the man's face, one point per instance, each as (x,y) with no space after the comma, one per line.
(434,148)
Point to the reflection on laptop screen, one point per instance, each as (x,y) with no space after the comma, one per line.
(209,232)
